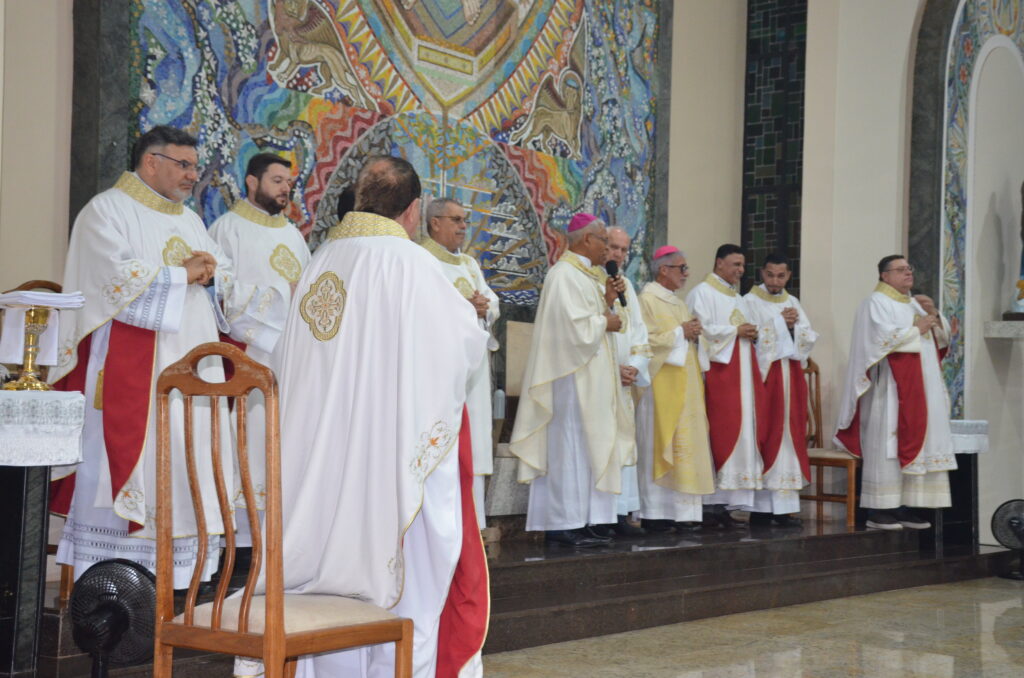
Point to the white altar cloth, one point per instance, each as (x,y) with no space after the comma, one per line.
(970,436)
(41,428)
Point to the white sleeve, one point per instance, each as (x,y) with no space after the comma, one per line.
(159,307)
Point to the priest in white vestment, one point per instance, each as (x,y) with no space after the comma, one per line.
(733,388)
(894,410)
(632,354)
(268,253)
(377,480)
(785,340)
(446,232)
(572,432)
(675,464)
(141,258)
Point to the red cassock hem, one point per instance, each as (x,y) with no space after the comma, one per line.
(464,619)
(774,424)
(722,384)
(62,489)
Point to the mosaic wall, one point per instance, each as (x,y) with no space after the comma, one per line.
(773,133)
(976,23)
(526,111)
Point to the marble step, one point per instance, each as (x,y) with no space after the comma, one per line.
(542,619)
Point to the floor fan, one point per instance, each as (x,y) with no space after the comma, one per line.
(113,608)
(1008,529)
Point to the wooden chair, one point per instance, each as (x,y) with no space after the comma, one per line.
(820,456)
(275,627)
(67,572)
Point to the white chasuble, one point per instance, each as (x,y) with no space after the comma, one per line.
(785,351)
(374,362)
(125,255)
(906,453)
(631,350)
(465,274)
(729,391)
(572,431)
(674,460)
(269,254)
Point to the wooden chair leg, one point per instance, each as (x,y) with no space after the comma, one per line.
(290,667)
(851,494)
(67,582)
(163,661)
(820,509)
(403,651)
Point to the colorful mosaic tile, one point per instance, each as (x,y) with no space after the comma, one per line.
(526,110)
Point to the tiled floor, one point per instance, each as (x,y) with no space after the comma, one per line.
(962,630)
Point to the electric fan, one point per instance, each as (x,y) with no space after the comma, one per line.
(1008,529)
(113,608)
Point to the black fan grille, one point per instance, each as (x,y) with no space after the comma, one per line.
(130,586)
(1001,527)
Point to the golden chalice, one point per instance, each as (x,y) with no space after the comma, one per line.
(36,319)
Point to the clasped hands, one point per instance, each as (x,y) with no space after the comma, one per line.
(931,319)
(200,267)
(480,304)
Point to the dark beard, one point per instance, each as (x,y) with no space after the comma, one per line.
(268,204)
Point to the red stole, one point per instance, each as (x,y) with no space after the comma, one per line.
(912,420)
(775,423)
(722,385)
(464,619)
(127,397)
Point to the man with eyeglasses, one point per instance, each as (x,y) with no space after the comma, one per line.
(572,432)
(143,261)
(894,410)
(446,233)
(672,429)
(268,254)
(785,340)
(733,390)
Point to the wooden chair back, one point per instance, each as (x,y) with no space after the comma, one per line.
(249,375)
(815,438)
(37,285)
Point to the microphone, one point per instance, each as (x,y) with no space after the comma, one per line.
(613,271)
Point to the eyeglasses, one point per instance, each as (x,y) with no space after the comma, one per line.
(185,165)
(457,220)
(901,269)
(683,268)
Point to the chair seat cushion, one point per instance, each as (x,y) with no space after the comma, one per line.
(302,612)
(829,453)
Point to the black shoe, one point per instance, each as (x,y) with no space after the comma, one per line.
(883,520)
(910,519)
(653,526)
(725,519)
(785,520)
(688,526)
(600,531)
(759,519)
(624,528)
(573,538)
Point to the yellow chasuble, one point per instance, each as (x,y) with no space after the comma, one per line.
(682,454)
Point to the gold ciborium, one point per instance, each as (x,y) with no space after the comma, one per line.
(36,318)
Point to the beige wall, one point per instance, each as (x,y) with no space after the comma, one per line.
(706,128)
(994,368)
(36,134)
(856,144)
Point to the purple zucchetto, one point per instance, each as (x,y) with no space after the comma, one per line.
(579,221)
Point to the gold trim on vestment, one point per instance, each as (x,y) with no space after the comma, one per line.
(323,306)
(441,252)
(764,295)
(464,287)
(722,287)
(176,251)
(364,224)
(595,272)
(138,190)
(891,292)
(285,263)
(247,210)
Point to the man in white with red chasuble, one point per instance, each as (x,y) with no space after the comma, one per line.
(377,488)
(446,231)
(733,388)
(572,432)
(785,340)
(894,411)
(268,254)
(142,259)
